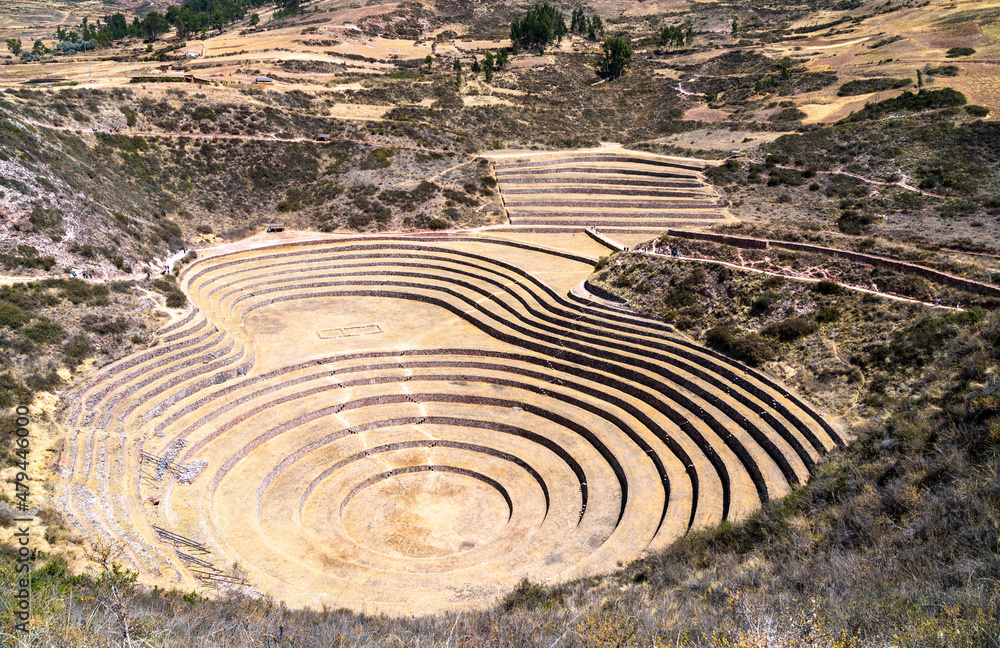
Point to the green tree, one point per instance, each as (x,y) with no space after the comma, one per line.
(676,36)
(154,24)
(488,62)
(502,59)
(617,57)
(115,26)
(539,27)
(254,19)
(429,61)
(476,68)
(219,20)
(920,79)
(39,48)
(735,26)
(14,45)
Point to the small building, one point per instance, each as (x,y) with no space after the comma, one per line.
(263,79)
(191,54)
(323,137)
(275,227)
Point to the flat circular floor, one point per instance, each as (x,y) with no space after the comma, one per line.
(425,514)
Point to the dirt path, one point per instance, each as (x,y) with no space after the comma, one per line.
(799,278)
(688,93)
(902,182)
(7,281)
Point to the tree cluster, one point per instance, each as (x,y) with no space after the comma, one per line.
(189,18)
(115,27)
(199,16)
(676,35)
(539,27)
(617,57)
(592,28)
(490,64)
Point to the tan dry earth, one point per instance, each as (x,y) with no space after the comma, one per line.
(408,424)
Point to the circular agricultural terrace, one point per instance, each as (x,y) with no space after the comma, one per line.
(415,424)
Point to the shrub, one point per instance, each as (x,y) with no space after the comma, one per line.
(13,392)
(719,338)
(915,345)
(176,299)
(77,349)
(79,291)
(865,86)
(944,70)
(787,115)
(752,349)
(530,596)
(44,331)
(852,222)
(977,111)
(45,219)
(12,316)
(101,325)
(167,286)
(827,314)
(764,301)
(826,287)
(789,330)
(789,177)
(922,100)
(955,52)
(379,158)
(40,381)
(679,297)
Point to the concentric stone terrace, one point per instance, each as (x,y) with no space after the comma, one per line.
(408,425)
(613,190)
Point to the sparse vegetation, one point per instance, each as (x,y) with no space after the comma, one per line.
(956,52)
(864,86)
